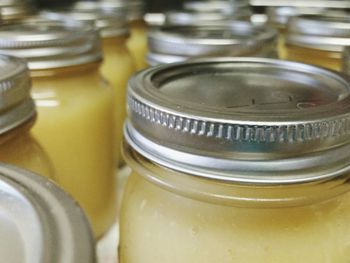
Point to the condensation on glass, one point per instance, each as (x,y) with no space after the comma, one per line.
(318,39)
(75,122)
(174,43)
(39,222)
(237,160)
(17,116)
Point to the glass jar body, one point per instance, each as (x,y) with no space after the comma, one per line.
(20,148)
(137,43)
(117,68)
(75,127)
(327,59)
(161,225)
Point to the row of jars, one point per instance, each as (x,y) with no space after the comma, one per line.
(266,147)
(75,136)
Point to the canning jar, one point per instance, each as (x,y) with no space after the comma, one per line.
(118,65)
(17,116)
(318,39)
(237,160)
(39,222)
(218,6)
(75,109)
(176,43)
(13,10)
(278,17)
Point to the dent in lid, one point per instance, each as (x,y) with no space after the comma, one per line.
(177,43)
(16,9)
(16,104)
(51,44)
(39,222)
(246,120)
(109,23)
(329,32)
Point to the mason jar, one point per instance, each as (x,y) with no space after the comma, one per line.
(218,6)
(318,39)
(39,222)
(176,43)
(278,17)
(14,10)
(118,65)
(237,160)
(17,116)
(75,122)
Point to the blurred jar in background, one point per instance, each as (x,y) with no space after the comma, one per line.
(17,116)
(117,66)
(75,115)
(318,39)
(137,42)
(278,17)
(175,43)
(13,10)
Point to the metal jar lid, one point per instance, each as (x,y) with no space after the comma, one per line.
(216,6)
(109,24)
(135,9)
(16,104)
(190,17)
(242,120)
(329,32)
(51,44)
(170,44)
(346,60)
(16,9)
(39,222)
(302,3)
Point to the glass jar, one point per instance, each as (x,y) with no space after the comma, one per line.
(40,222)
(278,17)
(13,10)
(118,65)
(318,39)
(75,109)
(176,43)
(237,160)
(17,116)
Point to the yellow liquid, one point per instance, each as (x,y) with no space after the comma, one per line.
(331,60)
(117,69)
(158,226)
(137,43)
(19,148)
(75,127)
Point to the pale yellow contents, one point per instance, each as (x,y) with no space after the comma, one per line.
(22,150)
(158,226)
(117,68)
(75,127)
(331,60)
(137,43)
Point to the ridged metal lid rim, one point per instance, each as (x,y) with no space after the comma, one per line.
(67,236)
